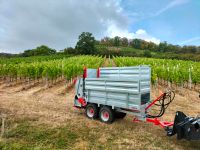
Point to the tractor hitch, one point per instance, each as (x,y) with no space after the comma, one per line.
(185,127)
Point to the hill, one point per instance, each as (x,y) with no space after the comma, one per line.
(6,55)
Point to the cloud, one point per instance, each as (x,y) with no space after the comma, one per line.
(27,24)
(171,5)
(188,41)
(113,31)
(142,34)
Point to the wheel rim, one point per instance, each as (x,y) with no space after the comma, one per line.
(90,112)
(105,116)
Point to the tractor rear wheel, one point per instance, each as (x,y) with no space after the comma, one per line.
(106,114)
(92,111)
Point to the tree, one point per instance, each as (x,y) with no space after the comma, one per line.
(162,47)
(44,50)
(136,43)
(70,50)
(124,42)
(40,50)
(116,41)
(86,43)
(152,46)
(106,41)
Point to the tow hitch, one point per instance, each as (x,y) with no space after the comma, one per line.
(185,127)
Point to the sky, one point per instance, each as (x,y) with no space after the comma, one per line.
(26,24)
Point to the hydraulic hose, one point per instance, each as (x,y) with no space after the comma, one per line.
(162,103)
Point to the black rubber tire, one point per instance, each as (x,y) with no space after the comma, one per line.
(96,111)
(120,115)
(111,114)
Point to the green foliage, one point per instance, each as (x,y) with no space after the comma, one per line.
(147,53)
(133,52)
(17,60)
(86,43)
(136,43)
(144,45)
(50,69)
(175,71)
(124,42)
(70,50)
(167,55)
(118,51)
(41,50)
(162,47)
(116,41)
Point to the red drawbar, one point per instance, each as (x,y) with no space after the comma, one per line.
(82,101)
(85,72)
(152,103)
(156,121)
(98,72)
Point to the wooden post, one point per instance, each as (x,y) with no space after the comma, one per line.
(190,79)
(46,81)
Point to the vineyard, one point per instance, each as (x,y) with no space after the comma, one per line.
(38,111)
(167,71)
(49,70)
(18,60)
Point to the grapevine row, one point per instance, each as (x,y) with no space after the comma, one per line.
(18,60)
(174,71)
(50,70)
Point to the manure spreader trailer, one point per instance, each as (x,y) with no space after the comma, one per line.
(110,93)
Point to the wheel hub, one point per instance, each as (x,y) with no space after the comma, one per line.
(90,112)
(105,116)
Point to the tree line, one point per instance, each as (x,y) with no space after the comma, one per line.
(144,45)
(87,44)
(133,47)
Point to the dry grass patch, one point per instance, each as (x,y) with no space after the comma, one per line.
(45,119)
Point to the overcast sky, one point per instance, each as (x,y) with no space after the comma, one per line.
(26,24)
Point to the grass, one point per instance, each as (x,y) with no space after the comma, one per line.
(27,134)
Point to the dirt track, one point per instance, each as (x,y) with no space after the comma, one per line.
(52,107)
